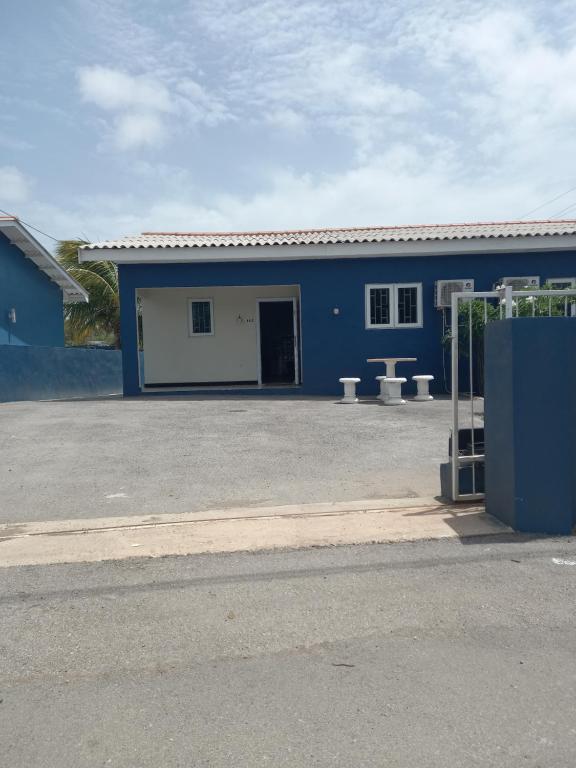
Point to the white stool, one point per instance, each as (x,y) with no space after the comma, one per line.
(423,382)
(349,390)
(383,391)
(394,391)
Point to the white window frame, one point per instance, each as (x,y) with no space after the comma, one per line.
(370,287)
(191,331)
(418,323)
(393,288)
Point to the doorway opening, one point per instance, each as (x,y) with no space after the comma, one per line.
(278,341)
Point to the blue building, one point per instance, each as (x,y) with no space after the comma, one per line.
(33,288)
(294,311)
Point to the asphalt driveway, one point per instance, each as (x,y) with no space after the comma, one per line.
(84,459)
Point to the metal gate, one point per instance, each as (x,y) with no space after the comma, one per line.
(471,311)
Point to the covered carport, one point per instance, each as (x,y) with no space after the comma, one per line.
(219,336)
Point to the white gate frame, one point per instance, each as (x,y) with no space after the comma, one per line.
(505,296)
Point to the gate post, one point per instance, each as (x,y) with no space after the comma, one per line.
(454,467)
(509,302)
(530,423)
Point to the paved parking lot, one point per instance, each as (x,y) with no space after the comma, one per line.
(84,459)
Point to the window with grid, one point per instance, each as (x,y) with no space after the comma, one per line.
(200,317)
(394,306)
(380,305)
(407,304)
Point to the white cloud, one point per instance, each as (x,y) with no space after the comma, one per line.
(287,119)
(320,63)
(14,185)
(398,186)
(341,79)
(139,104)
(338,85)
(305,61)
(143,105)
(510,82)
(404,111)
(287,65)
(114,90)
(199,106)
(139,129)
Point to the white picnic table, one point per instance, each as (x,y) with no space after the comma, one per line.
(391,363)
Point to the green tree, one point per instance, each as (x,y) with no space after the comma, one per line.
(475,314)
(100,317)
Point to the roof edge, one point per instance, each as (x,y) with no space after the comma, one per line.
(22,239)
(369,228)
(342,250)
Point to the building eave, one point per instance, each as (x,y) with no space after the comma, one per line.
(18,235)
(404,249)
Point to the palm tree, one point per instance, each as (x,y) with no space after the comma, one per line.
(101,315)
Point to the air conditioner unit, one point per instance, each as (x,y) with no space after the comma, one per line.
(445,288)
(561,283)
(519,283)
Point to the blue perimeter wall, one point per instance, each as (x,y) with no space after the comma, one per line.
(54,373)
(37,300)
(335,346)
(530,423)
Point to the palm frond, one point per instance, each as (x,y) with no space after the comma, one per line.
(100,279)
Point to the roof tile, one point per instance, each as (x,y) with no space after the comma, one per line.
(411,232)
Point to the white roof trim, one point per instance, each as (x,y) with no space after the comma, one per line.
(19,236)
(472,245)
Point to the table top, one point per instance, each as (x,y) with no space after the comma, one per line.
(392,360)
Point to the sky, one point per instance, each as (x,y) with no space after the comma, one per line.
(122,116)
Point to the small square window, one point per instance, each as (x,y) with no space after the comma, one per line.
(200,317)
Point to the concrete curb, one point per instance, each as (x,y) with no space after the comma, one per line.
(83,525)
(241,529)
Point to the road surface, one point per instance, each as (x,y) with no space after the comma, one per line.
(437,655)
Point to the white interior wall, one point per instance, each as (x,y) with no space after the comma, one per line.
(171,355)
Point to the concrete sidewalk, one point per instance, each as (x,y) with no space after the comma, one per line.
(241,529)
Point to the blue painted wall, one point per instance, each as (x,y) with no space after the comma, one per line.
(335,346)
(530,423)
(36,299)
(52,373)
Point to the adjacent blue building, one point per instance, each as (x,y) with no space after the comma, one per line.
(294,311)
(33,289)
